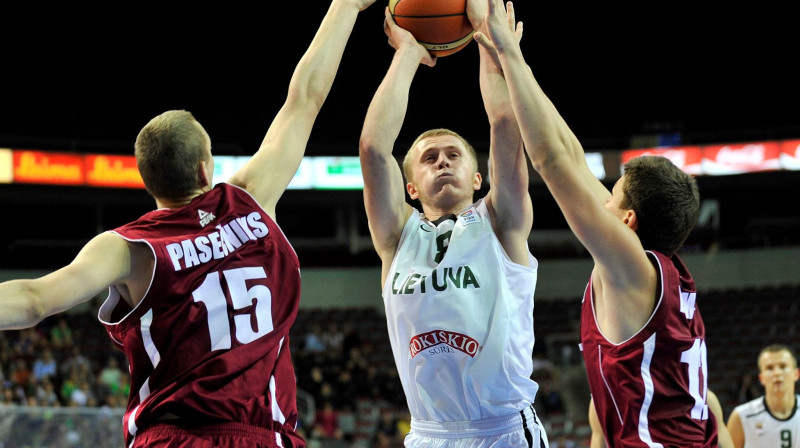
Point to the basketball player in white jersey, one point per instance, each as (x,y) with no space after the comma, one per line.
(771,420)
(458,278)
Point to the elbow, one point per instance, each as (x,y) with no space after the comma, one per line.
(35,310)
(504,123)
(306,97)
(548,154)
(26,307)
(547,163)
(368,144)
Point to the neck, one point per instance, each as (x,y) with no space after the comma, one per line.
(432,212)
(782,403)
(179,201)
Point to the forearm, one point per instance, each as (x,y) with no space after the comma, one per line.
(494,91)
(19,303)
(506,140)
(314,74)
(542,127)
(388,108)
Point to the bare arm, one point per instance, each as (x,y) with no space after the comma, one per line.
(508,199)
(269,172)
(384,191)
(598,438)
(105,260)
(624,278)
(735,429)
(724,439)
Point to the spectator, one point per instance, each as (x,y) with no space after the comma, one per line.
(351,340)
(347,389)
(61,335)
(45,366)
(333,339)
(387,433)
(69,384)
(82,396)
(76,359)
(347,422)
(748,389)
(313,340)
(326,422)
(8,396)
(46,394)
(110,376)
(20,374)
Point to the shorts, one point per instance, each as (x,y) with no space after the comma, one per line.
(220,435)
(521,430)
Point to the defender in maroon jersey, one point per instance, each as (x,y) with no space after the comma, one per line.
(203,290)
(642,335)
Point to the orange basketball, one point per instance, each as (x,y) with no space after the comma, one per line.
(441,26)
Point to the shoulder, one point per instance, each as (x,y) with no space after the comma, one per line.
(754,405)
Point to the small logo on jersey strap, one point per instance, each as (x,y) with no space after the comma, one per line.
(455,340)
(469,217)
(425,227)
(205,218)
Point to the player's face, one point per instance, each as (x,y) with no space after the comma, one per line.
(617,198)
(778,371)
(442,166)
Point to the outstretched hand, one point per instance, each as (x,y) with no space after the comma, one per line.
(399,37)
(499,29)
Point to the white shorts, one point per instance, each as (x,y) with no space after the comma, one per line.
(521,430)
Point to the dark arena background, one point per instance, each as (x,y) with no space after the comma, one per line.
(720,86)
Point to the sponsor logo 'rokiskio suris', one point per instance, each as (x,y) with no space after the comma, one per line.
(451,339)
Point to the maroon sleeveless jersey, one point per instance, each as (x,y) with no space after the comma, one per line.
(209,342)
(650,390)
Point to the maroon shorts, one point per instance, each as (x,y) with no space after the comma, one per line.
(221,435)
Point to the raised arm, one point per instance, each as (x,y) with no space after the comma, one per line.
(508,199)
(105,260)
(384,190)
(621,265)
(269,172)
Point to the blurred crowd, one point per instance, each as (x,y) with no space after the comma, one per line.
(343,365)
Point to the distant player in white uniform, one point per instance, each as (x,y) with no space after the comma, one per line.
(771,420)
(458,277)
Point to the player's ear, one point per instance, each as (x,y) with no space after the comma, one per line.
(477,180)
(631,220)
(203,176)
(412,190)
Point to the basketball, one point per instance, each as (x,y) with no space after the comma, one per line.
(441,26)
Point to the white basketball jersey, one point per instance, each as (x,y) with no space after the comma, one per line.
(762,429)
(460,320)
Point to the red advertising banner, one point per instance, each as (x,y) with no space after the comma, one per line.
(687,158)
(790,154)
(40,167)
(112,171)
(741,158)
